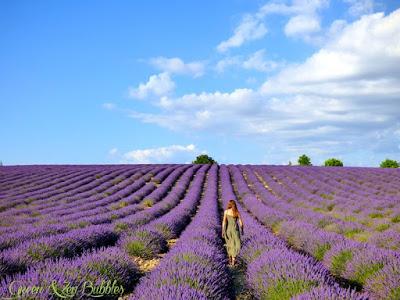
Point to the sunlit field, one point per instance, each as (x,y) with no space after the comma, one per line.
(154,232)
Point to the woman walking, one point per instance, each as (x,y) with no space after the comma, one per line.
(230,230)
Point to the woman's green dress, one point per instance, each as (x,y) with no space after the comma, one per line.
(232,236)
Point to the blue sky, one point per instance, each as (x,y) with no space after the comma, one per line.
(257,82)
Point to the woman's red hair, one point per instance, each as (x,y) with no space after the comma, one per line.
(232,205)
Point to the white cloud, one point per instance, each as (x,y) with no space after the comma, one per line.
(298,7)
(360,7)
(304,20)
(158,85)
(346,65)
(255,61)
(167,154)
(176,65)
(250,28)
(108,106)
(227,62)
(113,151)
(344,96)
(302,25)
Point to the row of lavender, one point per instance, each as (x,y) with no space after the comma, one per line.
(196,267)
(74,241)
(273,270)
(362,264)
(41,271)
(175,200)
(364,201)
(38,272)
(18,232)
(289,200)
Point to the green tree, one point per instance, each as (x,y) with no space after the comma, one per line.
(204,159)
(333,162)
(389,163)
(304,160)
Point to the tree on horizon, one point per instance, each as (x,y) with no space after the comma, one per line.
(389,163)
(333,162)
(204,159)
(304,160)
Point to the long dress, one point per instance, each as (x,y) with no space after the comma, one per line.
(232,236)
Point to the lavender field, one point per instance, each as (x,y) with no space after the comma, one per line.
(154,232)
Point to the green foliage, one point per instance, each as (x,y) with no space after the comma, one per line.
(323,223)
(304,160)
(35,213)
(365,272)
(148,203)
(120,227)
(286,289)
(276,226)
(40,251)
(204,159)
(375,215)
(137,248)
(330,207)
(394,294)
(396,219)
(333,162)
(155,180)
(350,218)
(389,163)
(80,224)
(145,244)
(339,262)
(105,269)
(362,236)
(382,227)
(191,258)
(118,205)
(349,233)
(117,180)
(164,230)
(327,196)
(29,200)
(321,250)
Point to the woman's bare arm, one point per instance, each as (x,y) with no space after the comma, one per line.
(240,222)
(223,224)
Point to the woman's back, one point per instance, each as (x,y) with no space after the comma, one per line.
(232,235)
(230,230)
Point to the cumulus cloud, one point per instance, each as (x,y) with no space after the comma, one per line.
(364,55)
(167,154)
(157,85)
(304,16)
(302,24)
(303,21)
(344,96)
(176,65)
(360,7)
(250,28)
(227,62)
(255,61)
